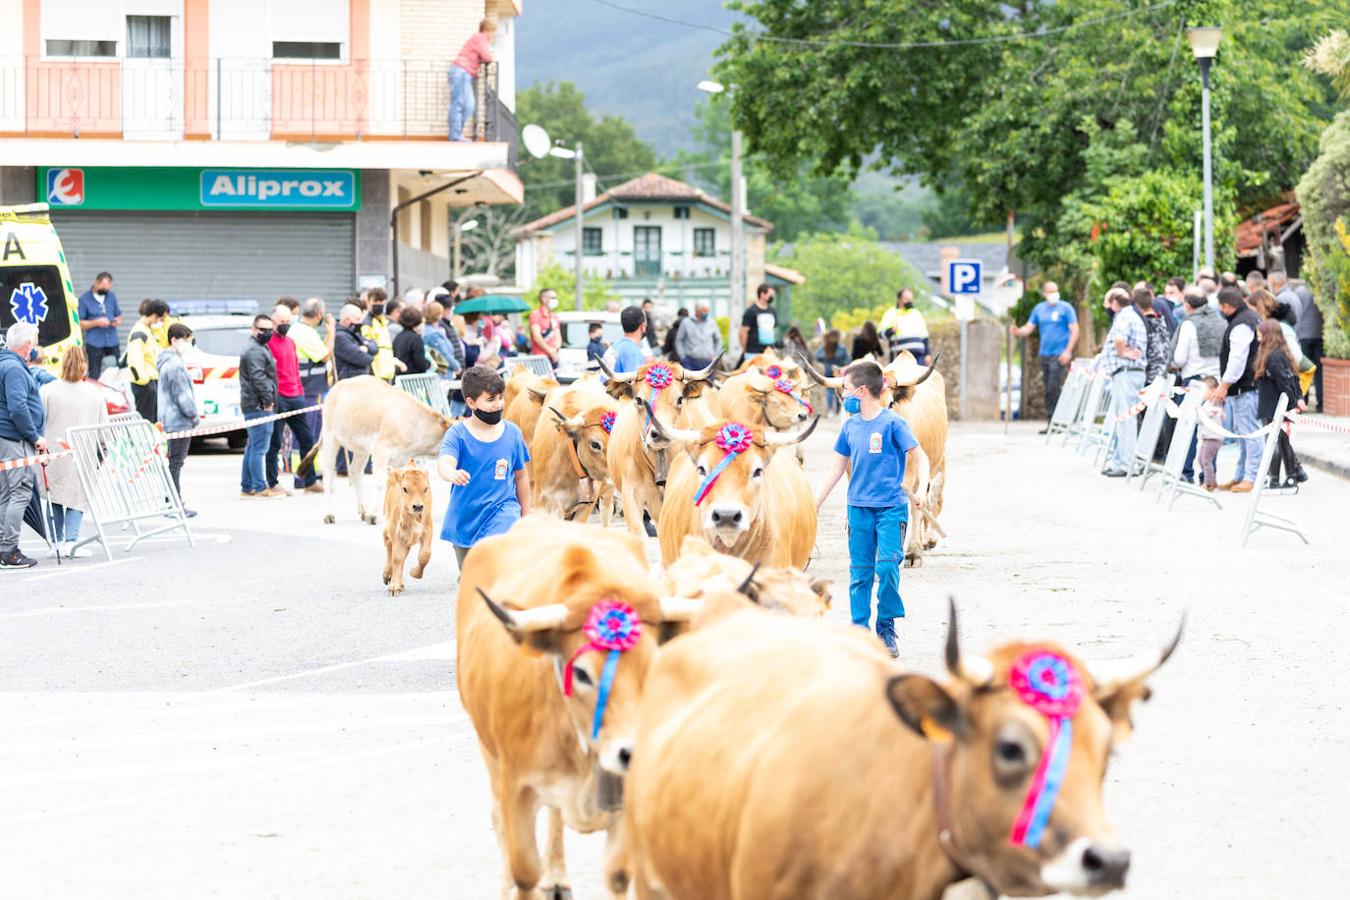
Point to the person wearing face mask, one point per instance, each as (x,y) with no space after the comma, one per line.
(375,327)
(904,328)
(290,396)
(257,398)
(545,332)
(99,317)
(483,458)
(177,402)
(759,324)
(699,340)
(1058,324)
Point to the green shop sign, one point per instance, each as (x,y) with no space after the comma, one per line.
(125,187)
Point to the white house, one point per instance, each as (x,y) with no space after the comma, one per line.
(652,237)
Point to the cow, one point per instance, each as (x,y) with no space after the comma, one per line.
(702,573)
(782,758)
(638,454)
(538,609)
(569,452)
(371,420)
(919,396)
(769,360)
(523,402)
(732,488)
(407,521)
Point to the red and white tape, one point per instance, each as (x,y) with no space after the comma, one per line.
(41,459)
(207,430)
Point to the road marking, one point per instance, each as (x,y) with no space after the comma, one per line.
(79,569)
(444,650)
(111,607)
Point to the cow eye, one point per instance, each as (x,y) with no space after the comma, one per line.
(679,401)
(703,470)
(1014,752)
(758,472)
(581,676)
(595,445)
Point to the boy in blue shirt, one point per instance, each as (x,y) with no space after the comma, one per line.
(874,444)
(484,459)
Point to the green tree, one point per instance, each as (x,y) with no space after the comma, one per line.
(610,145)
(1009,118)
(595,292)
(1324,194)
(846,271)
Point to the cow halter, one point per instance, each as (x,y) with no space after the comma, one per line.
(784,386)
(1047,683)
(612,626)
(734,439)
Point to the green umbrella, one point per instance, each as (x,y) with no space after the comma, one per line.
(492,303)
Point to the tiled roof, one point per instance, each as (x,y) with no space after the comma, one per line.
(783,273)
(1271,221)
(927,256)
(648,188)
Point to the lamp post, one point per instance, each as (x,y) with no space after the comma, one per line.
(1205,45)
(737,292)
(576,154)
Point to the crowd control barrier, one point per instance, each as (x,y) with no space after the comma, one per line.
(431,390)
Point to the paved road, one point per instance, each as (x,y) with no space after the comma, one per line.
(255,717)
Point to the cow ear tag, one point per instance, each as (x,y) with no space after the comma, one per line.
(935,732)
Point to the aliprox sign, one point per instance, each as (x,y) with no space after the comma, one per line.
(76,189)
(277,188)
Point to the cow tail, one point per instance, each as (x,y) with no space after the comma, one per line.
(307,464)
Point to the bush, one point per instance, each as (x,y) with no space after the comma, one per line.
(847,272)
(596,292)
(1324,194)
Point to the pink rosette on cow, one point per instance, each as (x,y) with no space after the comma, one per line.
(774,372)
(784,386)
(734,439)
(1046,682)
(660,377)
(607,422)
(612,627)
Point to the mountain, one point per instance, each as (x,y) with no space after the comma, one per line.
(630,65)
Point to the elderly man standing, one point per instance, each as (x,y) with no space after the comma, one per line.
(1237,384)
(1123,360)
(290,397)
(699,340)
(1058,324)
(315,353)
(22,420)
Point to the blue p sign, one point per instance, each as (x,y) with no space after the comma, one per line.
(964,276)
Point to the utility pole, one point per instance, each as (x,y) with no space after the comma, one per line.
(577,302)
(737,295)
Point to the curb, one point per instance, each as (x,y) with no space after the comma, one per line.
(1338,467)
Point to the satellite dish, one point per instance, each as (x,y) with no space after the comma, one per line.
(536,141)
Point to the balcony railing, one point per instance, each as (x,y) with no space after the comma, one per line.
(239,99)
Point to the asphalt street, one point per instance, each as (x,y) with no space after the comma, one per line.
(256,717)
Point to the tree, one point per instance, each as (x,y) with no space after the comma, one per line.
(596,293)
(610,145)
(1324,194)
(844,272)
(1012,118)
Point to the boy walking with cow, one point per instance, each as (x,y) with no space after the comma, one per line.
(484,460)
(874,446)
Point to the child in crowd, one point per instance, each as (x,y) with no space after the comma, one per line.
(484,459)
(875,445)
(1209,442)
(595,346)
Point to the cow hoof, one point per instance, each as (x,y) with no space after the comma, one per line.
(388,576)
(416,573)
(558,892)
(394,592)
(369,520)
(329,520)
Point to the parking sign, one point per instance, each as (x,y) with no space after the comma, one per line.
(964,276)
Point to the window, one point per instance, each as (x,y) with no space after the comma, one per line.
(306,50)
(705,242)
(681,212)
(620,212)
(148,37)
(81,48)
(591,242)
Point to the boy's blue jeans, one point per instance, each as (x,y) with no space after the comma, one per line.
(876,545)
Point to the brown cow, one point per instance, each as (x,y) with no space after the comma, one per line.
(407,521)
(523,402)
(701,573)
(371,420)
(919,396)
(638,454)
(759,507)
(568,447)
(523,600)
(791,759)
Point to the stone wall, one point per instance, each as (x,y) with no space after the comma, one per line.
(985,342)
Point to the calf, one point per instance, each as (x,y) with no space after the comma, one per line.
(407,521)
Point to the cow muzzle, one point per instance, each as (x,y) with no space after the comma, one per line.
(417,509)
(1087,868)
(662,467)
(725,525)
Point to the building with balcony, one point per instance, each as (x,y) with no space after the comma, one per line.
(252,148)
(652,237)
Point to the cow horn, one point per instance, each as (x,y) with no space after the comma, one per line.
(679,609)
(539,618)
(537,394)
(816,374)
(749,583)
(574,422)
(679,435)
(783,438)
(1108,679)
(931,368)
(625,378)
(702,374)
(976,671)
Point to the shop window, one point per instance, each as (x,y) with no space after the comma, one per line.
(705,242)
(592,242)
(148,37)
(306,50)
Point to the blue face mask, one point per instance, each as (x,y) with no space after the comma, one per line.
(852,405)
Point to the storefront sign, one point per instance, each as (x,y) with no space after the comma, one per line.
(130,188)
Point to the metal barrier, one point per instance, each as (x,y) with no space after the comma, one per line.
(125,475)
(1070,404)
(1156,396)
(1094,399)
(537,365)
(430,390)
(1255,518)
(1175,461)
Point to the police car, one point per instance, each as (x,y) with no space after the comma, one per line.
(221,331)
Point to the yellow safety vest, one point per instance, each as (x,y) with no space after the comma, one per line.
(377,330)
(142,351)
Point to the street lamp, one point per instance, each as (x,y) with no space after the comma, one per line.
(563,153)
(1205,45)
(737,292)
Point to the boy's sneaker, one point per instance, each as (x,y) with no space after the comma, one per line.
(15,559)
(886,631)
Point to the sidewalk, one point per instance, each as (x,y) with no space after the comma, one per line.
(1322,448)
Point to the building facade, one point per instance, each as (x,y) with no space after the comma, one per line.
(244,149)
(651,237)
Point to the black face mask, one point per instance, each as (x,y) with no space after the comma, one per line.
(264,337)
(282,329)
(491,418)
(908,304)
(377,309)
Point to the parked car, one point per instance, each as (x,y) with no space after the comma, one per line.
(572,362)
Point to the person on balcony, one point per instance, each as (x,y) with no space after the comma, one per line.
(476,51)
